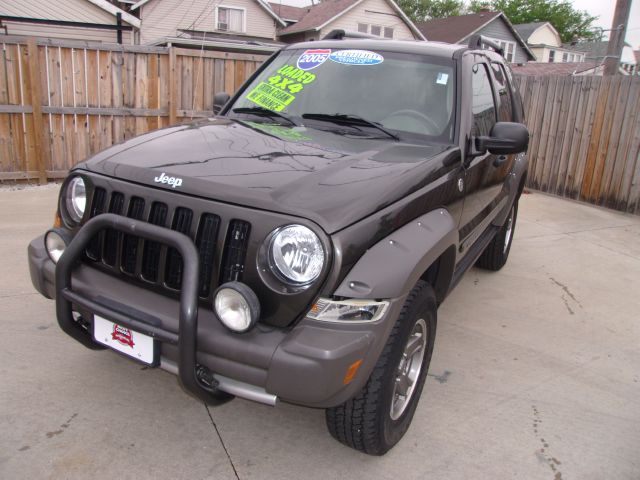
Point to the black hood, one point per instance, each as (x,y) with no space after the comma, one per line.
(329,178)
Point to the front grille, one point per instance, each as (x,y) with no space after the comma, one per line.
(181,223)
(151,254)
(97,207)
(130,242)
(233,263)
(160,266)
(111,237)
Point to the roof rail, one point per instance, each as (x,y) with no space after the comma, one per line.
(480,41)
(339,34)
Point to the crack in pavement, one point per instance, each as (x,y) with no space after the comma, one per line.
(215,427)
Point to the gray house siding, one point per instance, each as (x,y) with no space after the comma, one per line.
(499,30)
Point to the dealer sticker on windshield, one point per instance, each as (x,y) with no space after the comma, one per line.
(356,57)
(311,59)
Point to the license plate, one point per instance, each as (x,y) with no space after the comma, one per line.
(123,339)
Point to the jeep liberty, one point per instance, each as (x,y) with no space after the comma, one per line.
(296,246)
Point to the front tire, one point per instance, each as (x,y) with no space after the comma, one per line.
(379,415)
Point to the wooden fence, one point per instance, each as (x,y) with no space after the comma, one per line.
(585,138)
(62,101)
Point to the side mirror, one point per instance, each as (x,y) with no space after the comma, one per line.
(505,138)
(219,101)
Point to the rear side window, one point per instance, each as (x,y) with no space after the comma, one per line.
(483,106)
(505,104)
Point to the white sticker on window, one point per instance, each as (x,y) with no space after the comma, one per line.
(442,79)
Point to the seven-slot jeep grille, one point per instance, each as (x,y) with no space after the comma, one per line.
(221,243)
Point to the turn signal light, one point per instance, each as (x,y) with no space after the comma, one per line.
(351,372)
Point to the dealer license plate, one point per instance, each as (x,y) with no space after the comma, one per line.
(123,339)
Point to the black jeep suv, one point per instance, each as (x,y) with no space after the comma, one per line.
(296,246)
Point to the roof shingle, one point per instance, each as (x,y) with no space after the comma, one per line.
(539,68)
(288,12)
(318,15)
(454,29)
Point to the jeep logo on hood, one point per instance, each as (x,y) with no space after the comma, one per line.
(173,181)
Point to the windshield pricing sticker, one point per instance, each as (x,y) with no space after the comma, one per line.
(311,59)
(279,90)
(356,57)
(442,79)
(270,97)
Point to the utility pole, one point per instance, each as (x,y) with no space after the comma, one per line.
(616,40)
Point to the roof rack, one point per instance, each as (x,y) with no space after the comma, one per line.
(339,34)
(480,41)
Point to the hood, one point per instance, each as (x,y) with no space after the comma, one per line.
(331,179)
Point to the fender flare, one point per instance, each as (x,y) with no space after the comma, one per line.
(393,266)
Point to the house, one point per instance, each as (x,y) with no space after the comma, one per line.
(382,18)
(494,25)
(597,52)
(226,24)
(88,20)
(544,41)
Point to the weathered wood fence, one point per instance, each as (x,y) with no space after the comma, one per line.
(585,138)
(62,101)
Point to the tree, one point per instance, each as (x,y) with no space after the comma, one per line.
(420,10)
(571,24)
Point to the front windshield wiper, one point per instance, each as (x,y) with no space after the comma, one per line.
(349,119)
(264,112)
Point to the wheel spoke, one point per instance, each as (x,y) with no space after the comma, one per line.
(414,345)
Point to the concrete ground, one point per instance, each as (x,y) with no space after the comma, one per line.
(535,375)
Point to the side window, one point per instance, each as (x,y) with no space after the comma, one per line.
(483,106)
(505,106)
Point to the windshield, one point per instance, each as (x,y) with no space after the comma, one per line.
(386,94)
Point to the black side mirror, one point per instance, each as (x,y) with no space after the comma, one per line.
(219,101)
(505,138)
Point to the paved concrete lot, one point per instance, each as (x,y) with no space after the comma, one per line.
(535,375)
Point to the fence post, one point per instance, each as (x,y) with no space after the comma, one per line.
(173,87)
(36,103)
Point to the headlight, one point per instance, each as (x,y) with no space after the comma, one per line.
(356,311)
(55,242)
(296,254)
(75,199)
(237,306)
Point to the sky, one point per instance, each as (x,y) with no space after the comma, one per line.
(601,8)
(604,9)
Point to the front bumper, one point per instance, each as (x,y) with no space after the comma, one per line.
(305,364)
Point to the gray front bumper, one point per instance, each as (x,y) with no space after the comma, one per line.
(305,365)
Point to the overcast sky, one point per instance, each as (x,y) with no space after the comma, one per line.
(602,8)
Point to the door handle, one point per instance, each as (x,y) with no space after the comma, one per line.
(499,160)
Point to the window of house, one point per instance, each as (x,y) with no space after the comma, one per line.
(230,19)
(363,27)
(376,30)
(552,56)
(565,57)
(482,105)
(509,49)
(388,32)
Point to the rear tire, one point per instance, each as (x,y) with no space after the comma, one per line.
(379,415)
(496,253)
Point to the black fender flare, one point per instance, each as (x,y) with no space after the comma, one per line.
(391,267)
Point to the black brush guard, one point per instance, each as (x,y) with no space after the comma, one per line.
(188,317)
